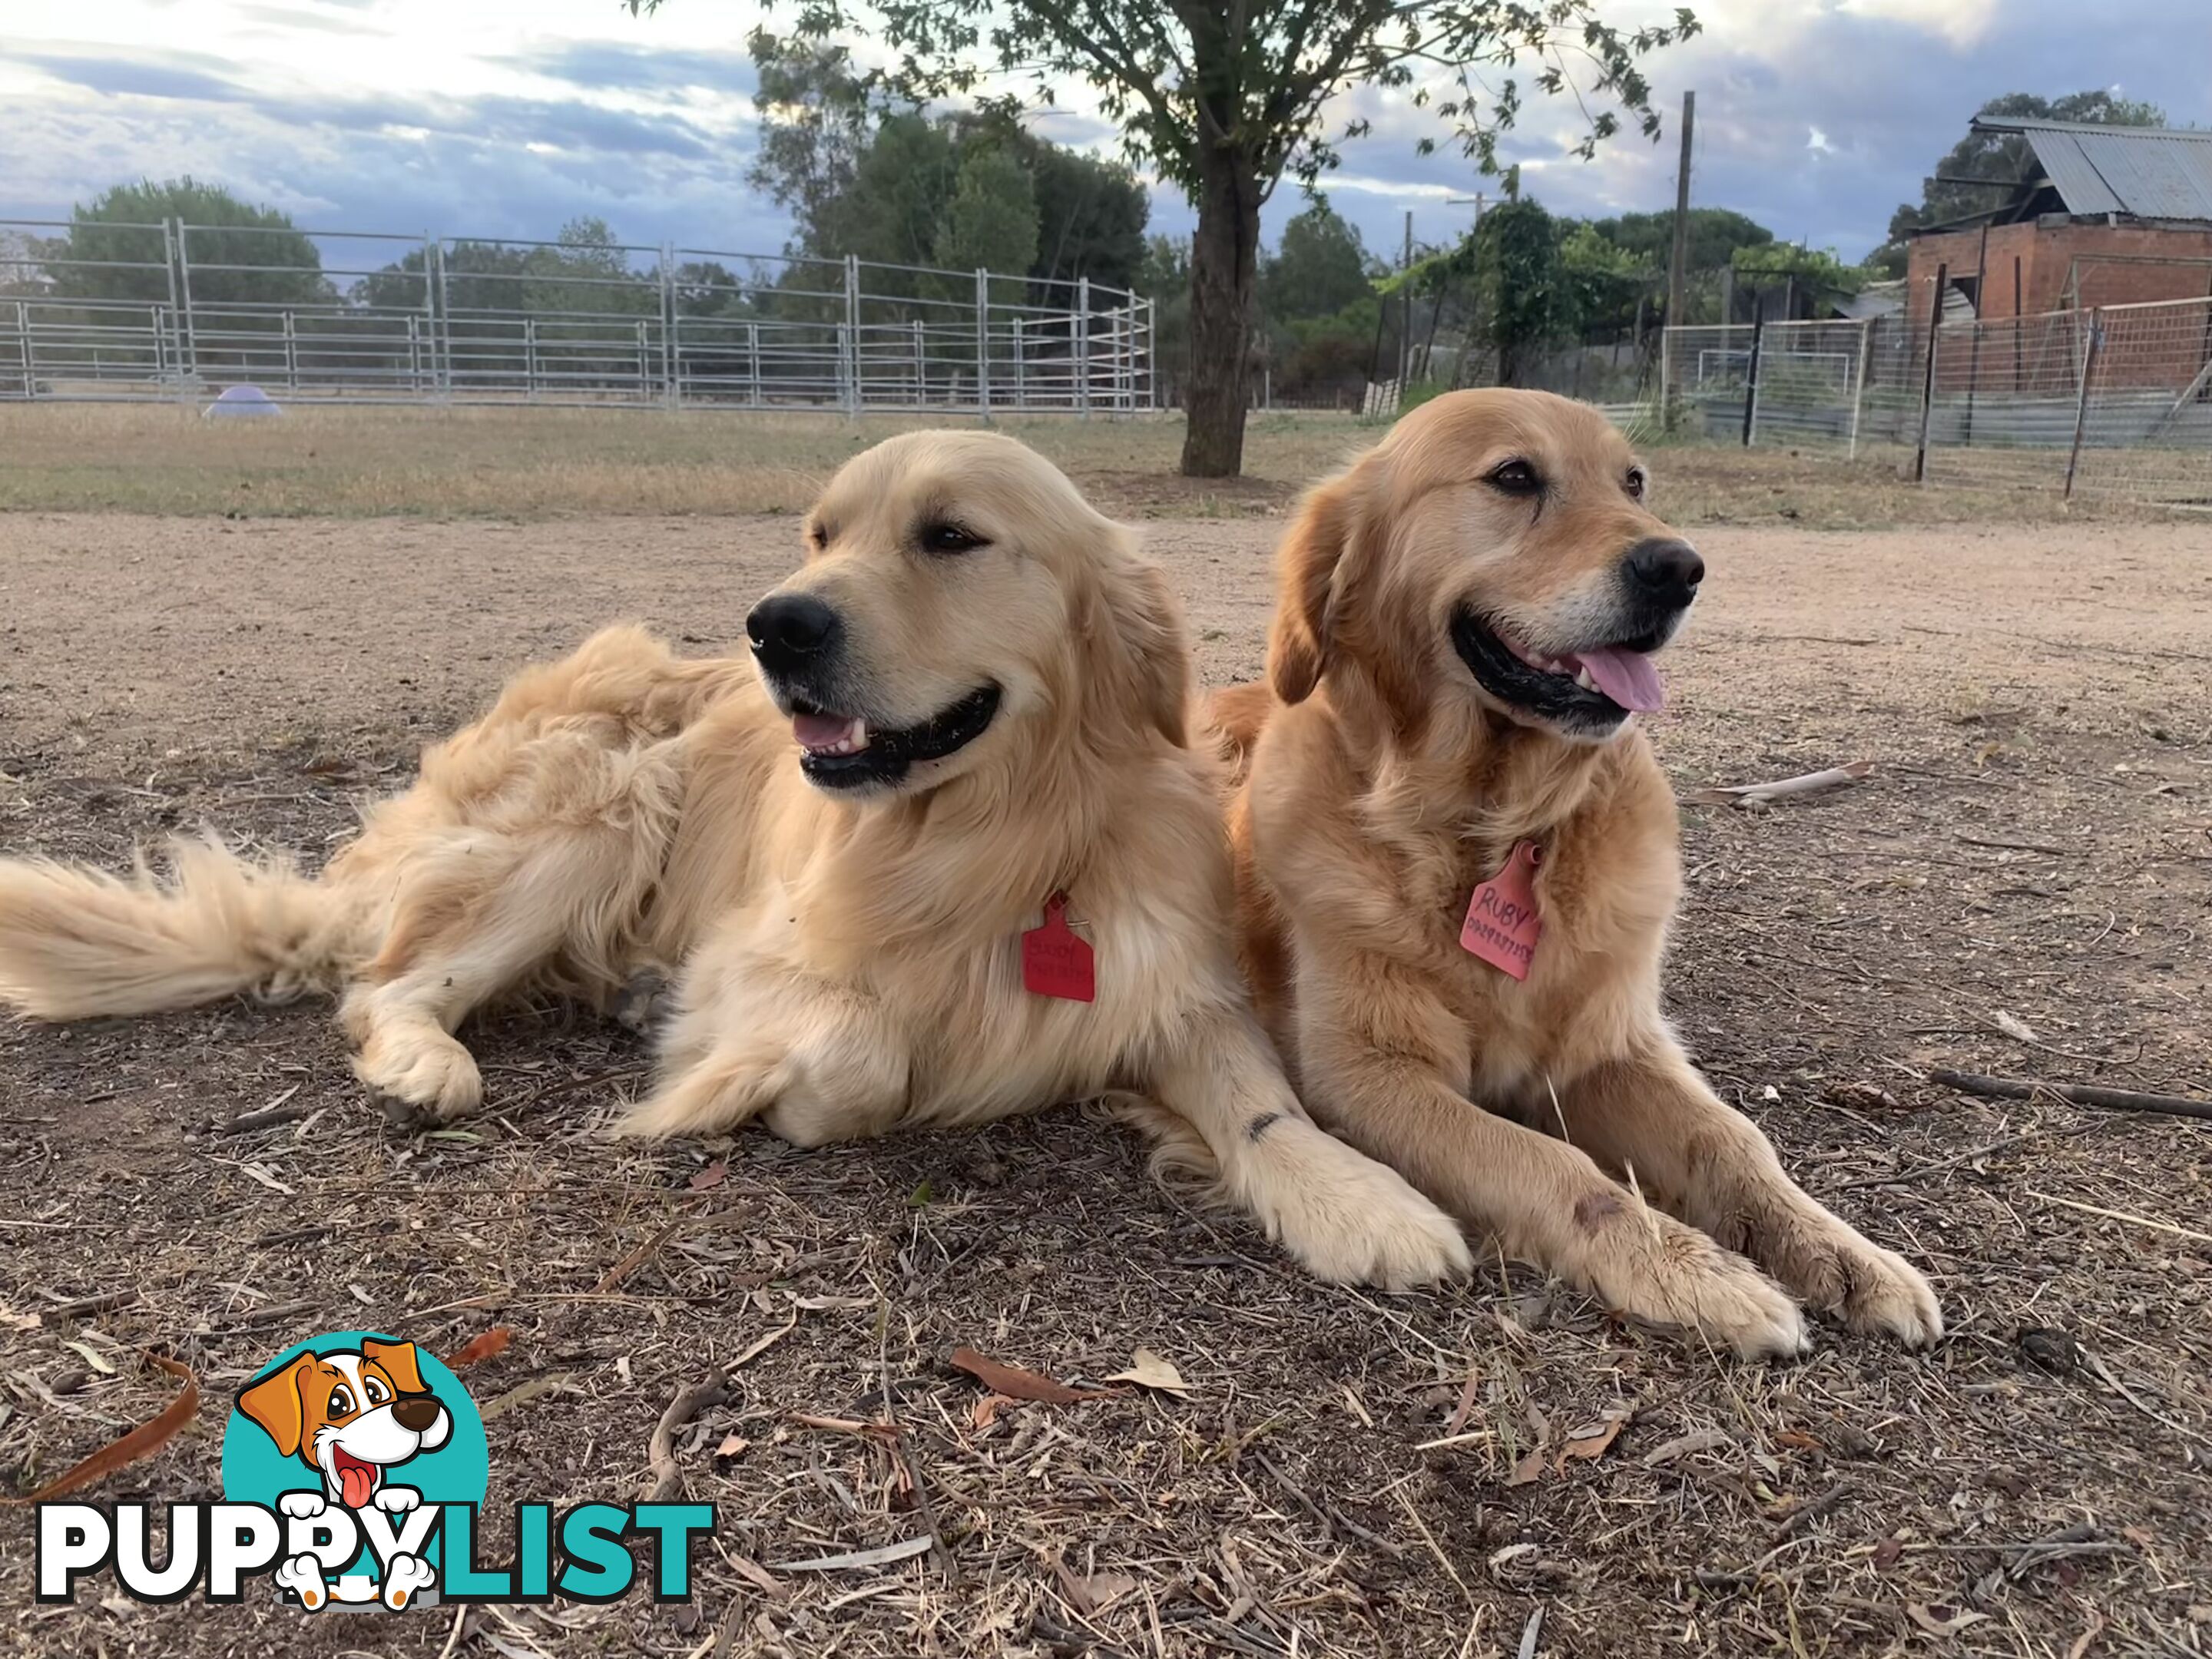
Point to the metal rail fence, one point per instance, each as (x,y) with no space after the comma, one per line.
(2112,401)
(115,313)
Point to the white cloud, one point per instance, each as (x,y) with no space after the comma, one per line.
(1961,22)
(506,117)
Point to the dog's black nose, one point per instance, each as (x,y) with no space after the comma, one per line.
(416,1413)
(787,628)
(1664,571)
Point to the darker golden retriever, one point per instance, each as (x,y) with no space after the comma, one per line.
(941,852)
(1457,866)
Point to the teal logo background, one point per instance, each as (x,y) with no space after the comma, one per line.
(458,1472)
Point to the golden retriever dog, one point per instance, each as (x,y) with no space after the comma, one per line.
(940,853)
(1457,866)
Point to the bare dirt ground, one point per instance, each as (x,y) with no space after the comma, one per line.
(2035,845)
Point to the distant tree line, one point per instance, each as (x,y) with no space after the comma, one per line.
(899,187)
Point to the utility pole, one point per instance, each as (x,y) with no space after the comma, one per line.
(1405,330)
(1466,349)
(1678,268)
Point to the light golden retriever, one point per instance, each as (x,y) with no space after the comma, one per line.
(1466,624)
(987,690)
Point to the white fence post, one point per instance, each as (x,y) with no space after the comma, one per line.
(1858,390)
(1083,345)
(852,334)
(176,312)
(441,323)
(983,342)
(672,356)
(190,354)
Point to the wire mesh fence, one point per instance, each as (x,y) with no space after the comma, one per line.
(2114,401)
(97,312)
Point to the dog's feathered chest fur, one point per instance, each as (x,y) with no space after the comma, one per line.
(1385,849)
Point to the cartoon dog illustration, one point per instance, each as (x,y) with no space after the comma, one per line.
(350,1416)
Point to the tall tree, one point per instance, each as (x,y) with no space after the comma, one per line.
(1714,235)
(2002,158)
(245,254)
(991,223)
(818,116)
(1224,99)
(1091,212)
(1525,298)
(586,272)
(1164,279)
(861,175)
(1320,267)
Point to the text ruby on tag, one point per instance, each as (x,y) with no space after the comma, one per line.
(1502,926)
(1055,962)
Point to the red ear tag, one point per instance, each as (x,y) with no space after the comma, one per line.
(1055,962)
(1502,926)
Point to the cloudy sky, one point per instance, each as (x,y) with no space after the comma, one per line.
(494,118)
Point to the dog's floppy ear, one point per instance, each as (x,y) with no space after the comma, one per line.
(1305,572)
(1140,651)
(274,1403)
(398,1361)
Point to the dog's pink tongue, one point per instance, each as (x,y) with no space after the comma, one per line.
(357,1485)
(1626,676)
(820,731)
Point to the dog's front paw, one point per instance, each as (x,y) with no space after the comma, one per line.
(404,1577)
(420,1073)
(302,1575)
(302,1505)
(1350,1220)
(396,1500)
(637,1007)
(1871,1290)
(1647,1264)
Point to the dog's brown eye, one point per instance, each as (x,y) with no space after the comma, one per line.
(375,1391)
(1637,484)
(817,537)
(341,1401)
(940,536)
(1515,478)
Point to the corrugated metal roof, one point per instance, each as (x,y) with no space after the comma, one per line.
(2151,172)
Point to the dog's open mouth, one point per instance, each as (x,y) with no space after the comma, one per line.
(1590,689)
(845,751)
(357,1478)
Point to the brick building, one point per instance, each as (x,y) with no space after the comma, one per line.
(2106,216)
(2103,216)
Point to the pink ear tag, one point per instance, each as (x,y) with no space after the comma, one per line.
(1502,926)
(1055,962)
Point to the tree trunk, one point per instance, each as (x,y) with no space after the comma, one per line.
(1224,265)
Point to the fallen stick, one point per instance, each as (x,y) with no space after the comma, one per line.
(2150,1221)
(2079,1094)
(267,1118)
(106,1301)
(1764,794)
(662,1475)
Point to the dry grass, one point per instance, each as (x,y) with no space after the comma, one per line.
(2036,841)
(551,463)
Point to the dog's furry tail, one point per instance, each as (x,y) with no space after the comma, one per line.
(77,943)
